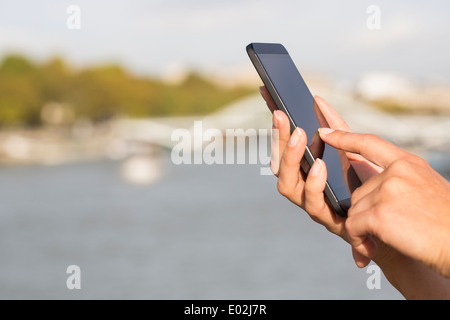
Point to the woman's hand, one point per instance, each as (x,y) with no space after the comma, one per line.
(384,191)
(407,206)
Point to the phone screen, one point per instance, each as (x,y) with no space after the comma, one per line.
(298,101)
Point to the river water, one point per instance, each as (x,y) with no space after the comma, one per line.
(200,232)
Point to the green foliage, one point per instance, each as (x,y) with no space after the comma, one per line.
(101,92)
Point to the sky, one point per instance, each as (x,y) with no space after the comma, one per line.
(155,36)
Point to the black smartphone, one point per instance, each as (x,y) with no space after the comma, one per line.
(291,95)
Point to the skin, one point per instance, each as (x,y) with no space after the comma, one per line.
(399,216)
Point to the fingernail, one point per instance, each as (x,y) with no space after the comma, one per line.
(295,137)
(261,89)
(325,131)
(275,119)
(315,169)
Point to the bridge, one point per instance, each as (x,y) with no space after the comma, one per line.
(407,131)
(121,138)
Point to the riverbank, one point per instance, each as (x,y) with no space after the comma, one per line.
(119,138)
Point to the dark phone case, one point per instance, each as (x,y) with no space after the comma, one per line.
(340,207)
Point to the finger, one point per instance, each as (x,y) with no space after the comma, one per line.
(267,97)
(290,183)
(317,146)
(364,248)
(365,169)
(328,117)
(360,225)
(358,196)
(360,260)
(314,187)
(369,146)
(315,203)
(280,137)
(367,249)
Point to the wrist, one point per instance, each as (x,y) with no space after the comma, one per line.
(410,277)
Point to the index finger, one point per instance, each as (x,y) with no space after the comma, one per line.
(327,116)
(369,146)
(268,98)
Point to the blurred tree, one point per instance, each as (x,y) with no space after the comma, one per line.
(98,93)
(19,97)
(16,65)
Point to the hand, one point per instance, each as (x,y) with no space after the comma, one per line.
(287,152)
(406,206)
(412,278)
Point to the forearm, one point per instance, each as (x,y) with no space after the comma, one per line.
(411,278)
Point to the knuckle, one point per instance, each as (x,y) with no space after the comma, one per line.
(380,214)
(405,165)
(313,209)
(349,230)
(351,211)
(283,189)
(418,160)
(399,164)
(349,224)
(391,185)
(286,160)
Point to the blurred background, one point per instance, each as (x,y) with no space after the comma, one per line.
(91,93)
